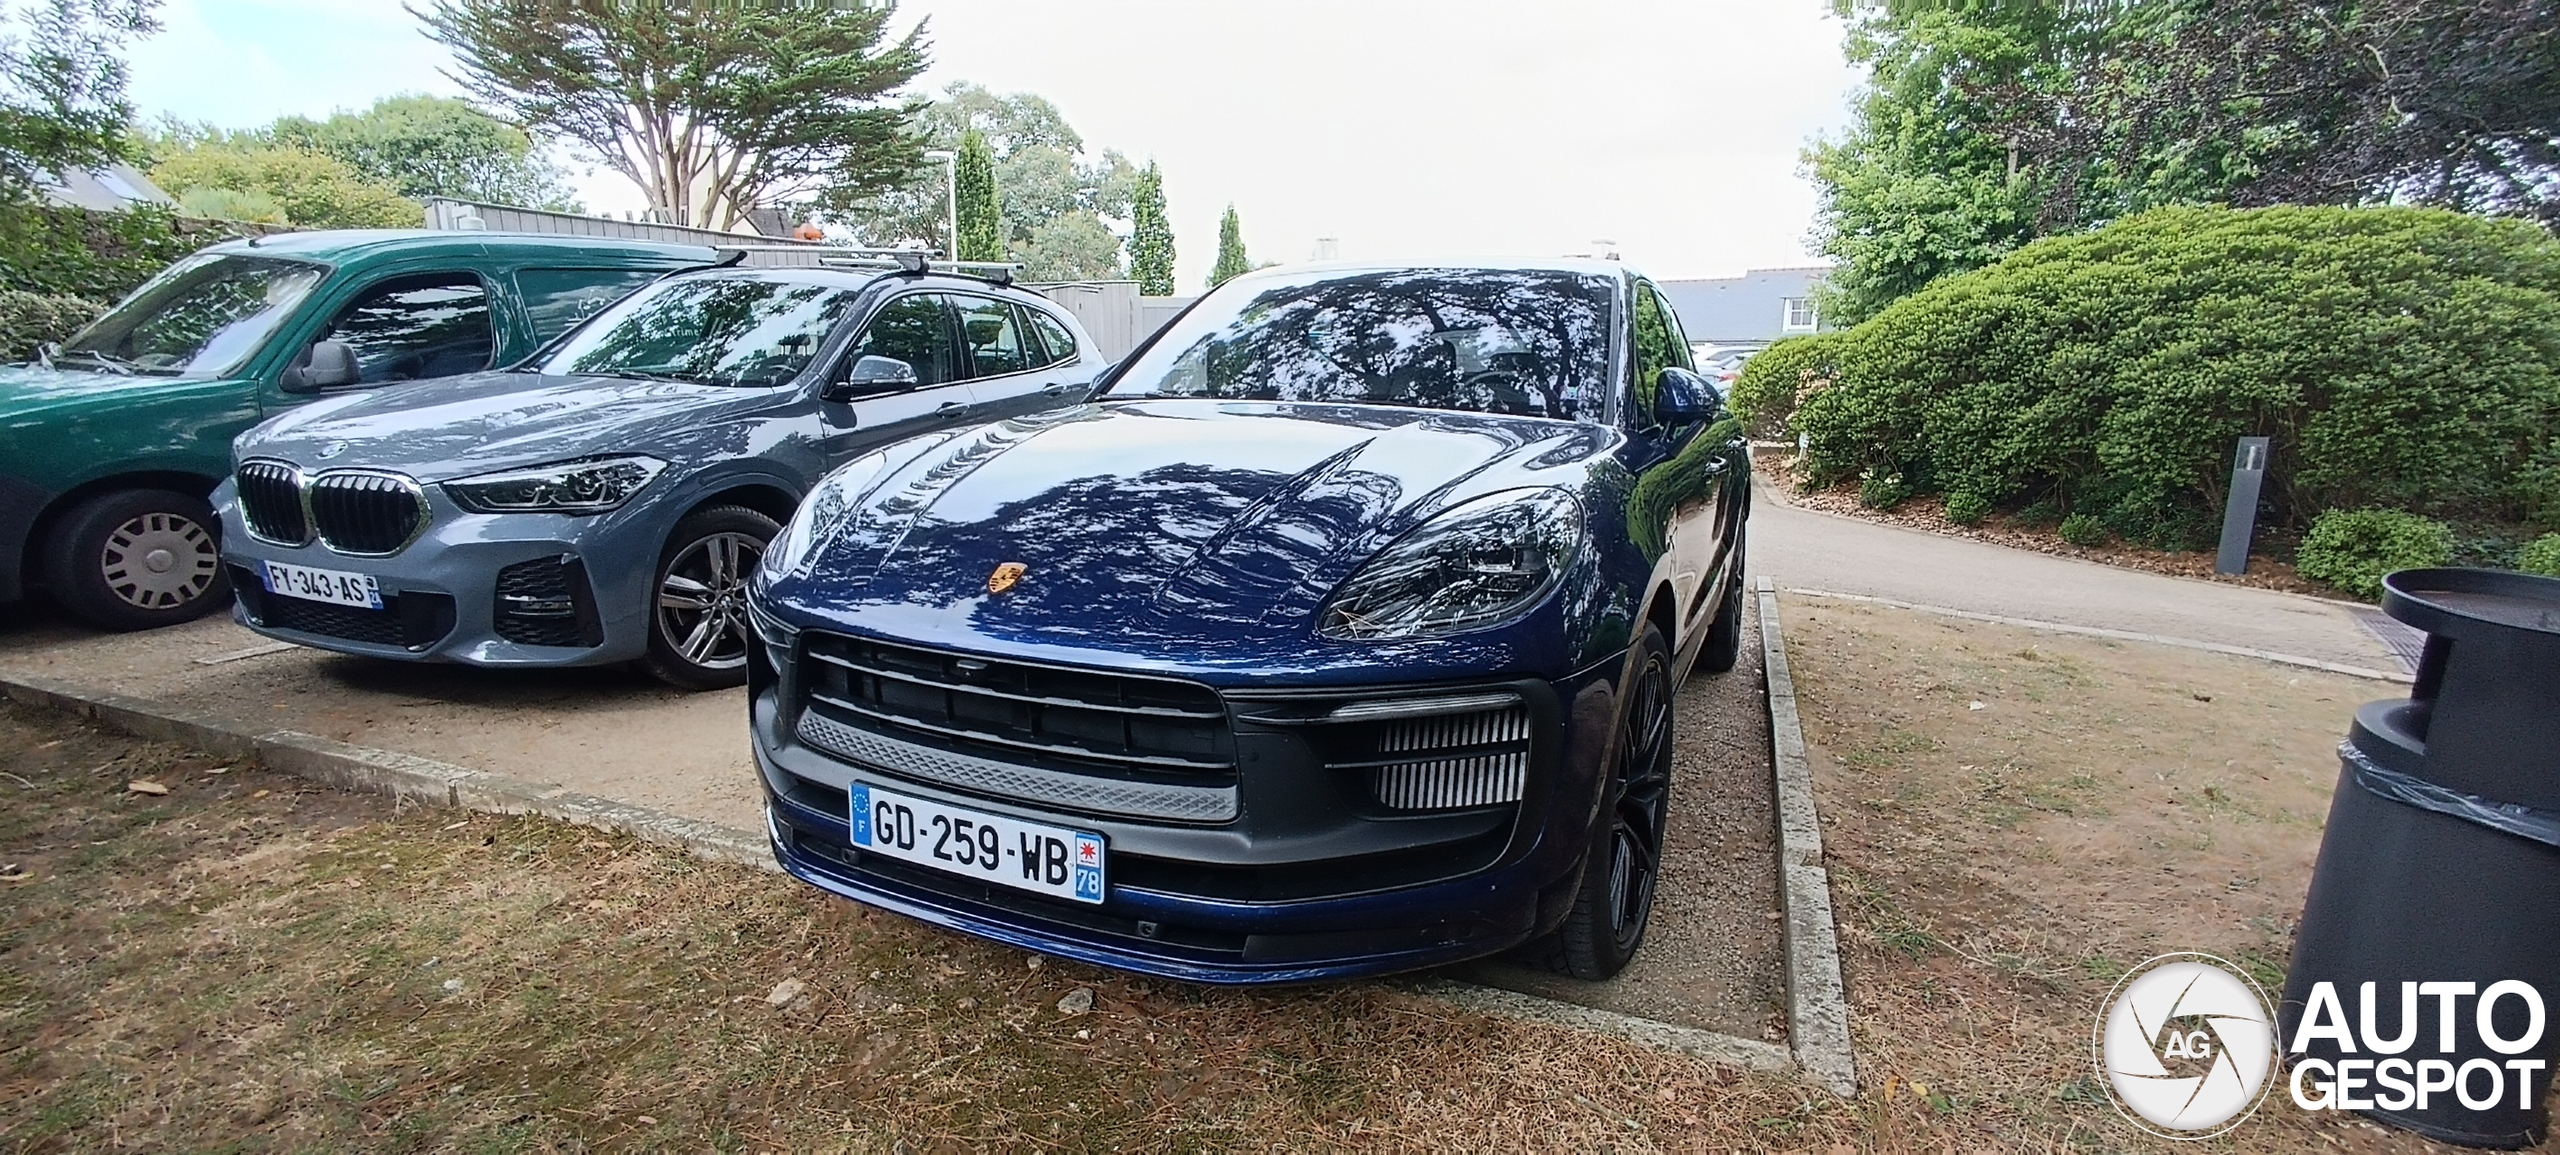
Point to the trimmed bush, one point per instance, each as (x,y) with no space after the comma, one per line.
(2542,557)
(2083,530)
(1967,509)
(1882,492)
(2400,357)
(67,252)
(2352,548)
(1775,379)
(31,319)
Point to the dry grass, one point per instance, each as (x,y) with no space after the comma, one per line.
(252,963)
(1995,870)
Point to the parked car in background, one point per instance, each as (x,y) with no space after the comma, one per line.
(1338,636)
(109,446)
(606,500)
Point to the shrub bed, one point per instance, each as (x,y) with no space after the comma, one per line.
(31,319)
(2353,548)
(2399,358)
(67,252)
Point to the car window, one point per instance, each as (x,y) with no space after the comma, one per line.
(1523,342)
(201,317)
(1683,354)
(914,329)
(744,329)
(1657,347)
(412,328)
(1054,338)
(994,336)
(555,300)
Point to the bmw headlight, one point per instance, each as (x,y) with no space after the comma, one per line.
(1482,563)
(823,512)
(594,485)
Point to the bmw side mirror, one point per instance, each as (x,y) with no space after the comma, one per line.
(871,374)
(1682,398)
(326,365)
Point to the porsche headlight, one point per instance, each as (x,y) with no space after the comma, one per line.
(594,485)
(1482,563)
(823,512)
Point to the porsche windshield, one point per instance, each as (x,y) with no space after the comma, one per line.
(200,317)
(1522,342)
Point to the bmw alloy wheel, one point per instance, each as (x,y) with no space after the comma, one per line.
(702,600)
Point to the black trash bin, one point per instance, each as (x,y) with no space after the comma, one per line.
(2441,860)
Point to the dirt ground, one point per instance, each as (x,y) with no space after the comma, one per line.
(249,962)
(1714,956)
(2013,819)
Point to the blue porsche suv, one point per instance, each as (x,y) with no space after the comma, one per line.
(1337,635)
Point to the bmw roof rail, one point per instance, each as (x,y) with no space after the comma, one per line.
(912,262)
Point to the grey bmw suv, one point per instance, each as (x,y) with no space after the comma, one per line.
(605,500)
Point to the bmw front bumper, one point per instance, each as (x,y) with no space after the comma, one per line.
(518,589)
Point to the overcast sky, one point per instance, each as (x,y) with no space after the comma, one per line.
(1404,128)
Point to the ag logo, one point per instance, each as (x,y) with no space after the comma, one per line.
(1005,577)
(2186,1046)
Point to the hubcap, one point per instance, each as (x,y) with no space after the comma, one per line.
(702,600)
(159,561)
(1643,807)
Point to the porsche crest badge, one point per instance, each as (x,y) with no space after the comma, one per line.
(1005,577)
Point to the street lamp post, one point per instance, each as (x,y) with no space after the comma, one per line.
(951,198)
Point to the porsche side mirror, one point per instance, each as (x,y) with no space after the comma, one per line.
(871,374)
(1682,398)
(325,365)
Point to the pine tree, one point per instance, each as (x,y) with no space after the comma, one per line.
(981,213)
(1231,259)
(1150,236)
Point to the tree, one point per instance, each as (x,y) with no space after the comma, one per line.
(313,191)
(711,109)
(1232,262)
(62,88)
(981,222)
(426,146)
(1987,123)
(1074,247)
(1150,235)
(1048,188)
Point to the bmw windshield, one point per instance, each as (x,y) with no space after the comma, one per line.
(201,317)
(1519,342)
(745,330)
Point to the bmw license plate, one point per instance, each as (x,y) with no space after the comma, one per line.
(337,587)
(1043,859)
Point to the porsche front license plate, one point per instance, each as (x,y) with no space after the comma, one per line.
(1043,859)
(337,587)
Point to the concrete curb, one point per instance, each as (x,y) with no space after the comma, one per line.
(1697,1042)
(404,777)
(1817,995)
(2118,635)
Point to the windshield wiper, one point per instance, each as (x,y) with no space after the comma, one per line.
(114,365)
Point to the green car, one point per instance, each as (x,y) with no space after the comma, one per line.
(110,443)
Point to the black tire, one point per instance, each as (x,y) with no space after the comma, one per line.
(137,559)
(1615,902)
(1723,647)
(697,600)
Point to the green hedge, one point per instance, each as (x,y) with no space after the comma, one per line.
(2353,548)
(1775,378)
(31,319)
(2542,556)
(67,252)
(2400,358)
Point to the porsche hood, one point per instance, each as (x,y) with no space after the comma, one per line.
(1159,519)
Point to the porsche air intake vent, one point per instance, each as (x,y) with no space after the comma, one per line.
(1452,762)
